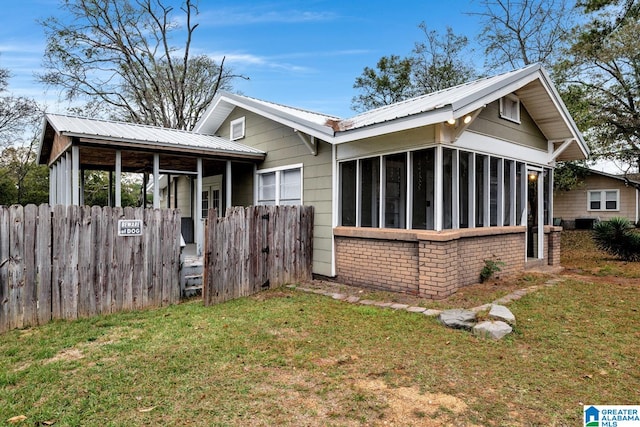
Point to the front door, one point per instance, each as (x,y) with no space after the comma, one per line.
(535,223)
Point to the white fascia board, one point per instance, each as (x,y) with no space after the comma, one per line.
(313,129)
(396,125)
(497,147)
(566,116)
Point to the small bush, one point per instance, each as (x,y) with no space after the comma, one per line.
(490,268)
(618,238)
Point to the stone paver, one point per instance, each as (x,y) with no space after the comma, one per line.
(500,312)
(492,329)
(496,328)
(399,306)
(431,312)
(458,318)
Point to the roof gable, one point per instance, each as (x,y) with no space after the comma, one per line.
(531,84)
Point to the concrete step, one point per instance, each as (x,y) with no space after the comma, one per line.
(192,291)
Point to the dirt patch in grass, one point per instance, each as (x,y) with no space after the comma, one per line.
(466,297)
(66,355)
(407,406)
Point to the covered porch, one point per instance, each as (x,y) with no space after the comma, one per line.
(71,146)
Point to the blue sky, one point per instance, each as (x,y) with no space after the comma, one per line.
(300,53)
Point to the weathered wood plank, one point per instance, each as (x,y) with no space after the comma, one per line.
(29,287)
(4,268)
(86,305)
(16,267)
(58,255)
(43,264)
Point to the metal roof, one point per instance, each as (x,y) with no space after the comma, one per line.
(531,84)
(316,124)
(108,130)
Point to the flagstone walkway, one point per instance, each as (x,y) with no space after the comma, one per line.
(354,299)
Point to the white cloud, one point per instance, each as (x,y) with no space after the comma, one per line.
(265,62)
(260,15)
(280,61)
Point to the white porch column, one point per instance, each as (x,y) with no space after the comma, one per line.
(197,214)
(118,178)
(540,214)
(228,186)
(67,178)
(53,180)
(156,181)
(60,181)
(75,175)
(438,179)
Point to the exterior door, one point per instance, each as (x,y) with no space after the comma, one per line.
(535,218)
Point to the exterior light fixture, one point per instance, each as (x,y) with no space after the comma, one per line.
(467,119)
(451,121)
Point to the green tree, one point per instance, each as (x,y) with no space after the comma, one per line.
(96,190)
(388,83)
(602,72)
(22,178)
(120,54)
(434,64)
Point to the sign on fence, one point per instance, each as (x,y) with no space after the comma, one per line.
(130,227)
(66,262)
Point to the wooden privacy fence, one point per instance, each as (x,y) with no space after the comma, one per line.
(66,262)
(255,248)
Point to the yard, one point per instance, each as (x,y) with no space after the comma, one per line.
(292,358)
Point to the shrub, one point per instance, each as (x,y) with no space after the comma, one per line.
(490,267)
(618,238)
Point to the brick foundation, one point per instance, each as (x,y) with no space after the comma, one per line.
(428,263)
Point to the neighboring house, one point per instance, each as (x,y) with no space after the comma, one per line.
(411,197)
(600,196)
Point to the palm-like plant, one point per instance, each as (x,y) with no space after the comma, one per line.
(618,237)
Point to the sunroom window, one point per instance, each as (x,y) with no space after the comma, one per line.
(399,191)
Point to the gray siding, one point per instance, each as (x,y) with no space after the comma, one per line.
(525,133)
(284,147)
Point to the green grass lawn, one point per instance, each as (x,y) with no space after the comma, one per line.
(285,357)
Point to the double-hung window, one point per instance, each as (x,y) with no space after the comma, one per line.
(280,186)
(604,200)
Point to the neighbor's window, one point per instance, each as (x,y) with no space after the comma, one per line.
(510,108)
(282,186)
(604,200)
(237,129)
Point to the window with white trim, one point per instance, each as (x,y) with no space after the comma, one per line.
(399,190)
(281,186)
(237,129)
(603,200)
(510,108)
